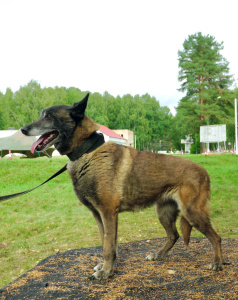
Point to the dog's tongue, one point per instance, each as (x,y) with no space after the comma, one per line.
(34,145)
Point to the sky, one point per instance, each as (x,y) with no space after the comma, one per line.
(122,47)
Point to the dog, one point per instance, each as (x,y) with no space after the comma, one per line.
(114,178)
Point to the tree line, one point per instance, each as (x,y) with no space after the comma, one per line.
(149,121)
(204,76)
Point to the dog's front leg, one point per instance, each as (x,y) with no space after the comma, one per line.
(101,231)
(105,270)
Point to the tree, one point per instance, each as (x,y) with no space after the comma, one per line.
(2,121)
(160,123)
(97,108)
(29,100)
(203,73)
(8,116)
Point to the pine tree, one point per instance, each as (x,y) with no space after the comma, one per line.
(204,76)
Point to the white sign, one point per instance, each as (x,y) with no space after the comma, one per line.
(213,134)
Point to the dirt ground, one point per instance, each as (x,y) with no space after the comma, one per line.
(184,274)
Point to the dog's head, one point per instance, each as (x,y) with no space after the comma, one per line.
(56,125)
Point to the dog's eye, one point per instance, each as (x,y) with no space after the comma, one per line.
(48,117)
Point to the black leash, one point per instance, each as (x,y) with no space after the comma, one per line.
(93,142)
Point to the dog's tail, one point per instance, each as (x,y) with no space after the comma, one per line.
(186,230)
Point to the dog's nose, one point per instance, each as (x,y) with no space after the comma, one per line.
(24,130)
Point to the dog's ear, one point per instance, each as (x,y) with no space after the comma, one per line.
(78,109)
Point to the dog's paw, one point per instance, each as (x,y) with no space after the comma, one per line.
(101,274)
(216,266)
(98,267)
(154,256)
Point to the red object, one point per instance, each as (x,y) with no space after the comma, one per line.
(110,132)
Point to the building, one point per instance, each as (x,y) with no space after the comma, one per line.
(128,135)
(188,142)
(111,135)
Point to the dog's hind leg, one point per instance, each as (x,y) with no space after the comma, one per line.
(167,214)
(109,221)
(215,239)
(200,220)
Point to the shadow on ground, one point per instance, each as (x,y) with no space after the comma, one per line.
(183,274)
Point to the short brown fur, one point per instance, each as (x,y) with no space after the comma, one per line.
(116,178)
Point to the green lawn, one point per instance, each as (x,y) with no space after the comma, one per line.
(50,219)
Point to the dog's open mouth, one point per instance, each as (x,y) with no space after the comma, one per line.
(43,141)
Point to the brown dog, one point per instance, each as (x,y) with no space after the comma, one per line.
(114,178)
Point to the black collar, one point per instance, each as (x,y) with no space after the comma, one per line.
(92,143)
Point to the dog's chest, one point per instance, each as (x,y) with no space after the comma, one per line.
(81,173)
(78,170)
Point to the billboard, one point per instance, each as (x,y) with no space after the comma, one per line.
(213,134)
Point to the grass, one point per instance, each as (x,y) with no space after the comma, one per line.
(50,219)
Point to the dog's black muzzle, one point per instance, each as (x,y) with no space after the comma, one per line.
(24,130)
